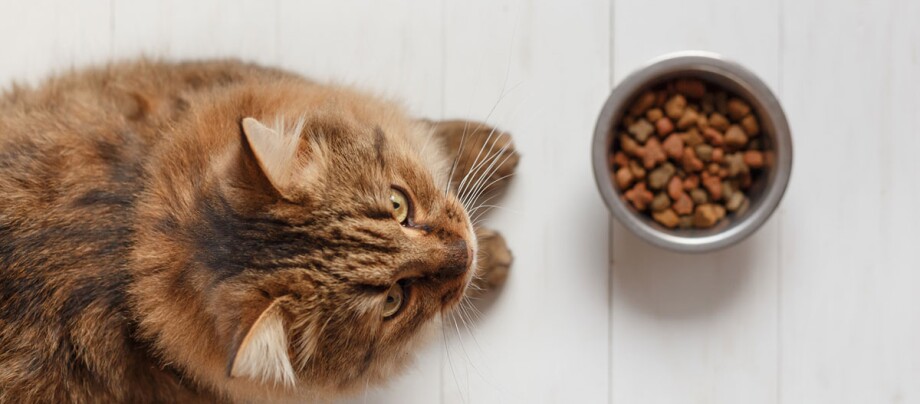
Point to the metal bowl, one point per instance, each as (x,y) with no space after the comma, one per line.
(766,192)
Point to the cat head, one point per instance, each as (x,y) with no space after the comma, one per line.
(319,241)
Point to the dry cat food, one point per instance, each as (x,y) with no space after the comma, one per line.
(686,154)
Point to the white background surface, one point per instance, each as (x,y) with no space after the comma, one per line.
(822,305)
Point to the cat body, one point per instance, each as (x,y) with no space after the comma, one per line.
(219,231)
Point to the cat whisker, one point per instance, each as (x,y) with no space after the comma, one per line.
(493,167)
(450,362)
(477,164)
(484,175)
(489,198)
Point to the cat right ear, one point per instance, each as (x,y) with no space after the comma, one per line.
(262,353)
(275,150)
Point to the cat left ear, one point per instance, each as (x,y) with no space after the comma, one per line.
(275,150)
(262,355)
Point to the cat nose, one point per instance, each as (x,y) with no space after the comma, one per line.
(457,259)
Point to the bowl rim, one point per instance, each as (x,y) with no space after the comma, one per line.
(710,63)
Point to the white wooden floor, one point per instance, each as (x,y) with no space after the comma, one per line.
(822,305)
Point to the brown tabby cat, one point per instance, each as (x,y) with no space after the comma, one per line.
(219,231)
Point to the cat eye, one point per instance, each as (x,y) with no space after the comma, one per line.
(395,297)
(400,205)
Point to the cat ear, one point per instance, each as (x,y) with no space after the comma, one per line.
(275,150)
(262,354)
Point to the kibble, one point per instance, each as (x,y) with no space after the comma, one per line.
(735,138)
(661,202)
(675,106)
(673,146)
(654,114)
(664,126)
(687,120)
(660,176)
(737,109)
(641,130)
(687,153)
(675,187)
(653,154)
(667,218)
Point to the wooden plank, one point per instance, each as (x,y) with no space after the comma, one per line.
(695,328)
(45,36)
(850,78)
(544,67)
(175,29)
(392,48)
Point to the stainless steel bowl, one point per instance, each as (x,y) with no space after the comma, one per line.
(765,193)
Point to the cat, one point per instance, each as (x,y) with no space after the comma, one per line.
(217,231)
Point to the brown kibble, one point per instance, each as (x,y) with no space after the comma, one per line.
(735,201)
(640,196)
(636,169)
(753,159)
(667,218)
(736,165)
(727,190)
(750,126)
(704,152)
(720,211)
(713,185)
(664,126)
(641,130)
(630,146)
(659,177)
(620,159)
(737,109)
(690,162)
(661,202)
(683,205)
(687,120)
(653,154)
(675,106)
(718,121)
(692,181)
(723,172)
(644,102)
(692,88)
(673,146)
(702,122)
(654,114)
(624,178)
(713,169)
(692,137)
(705,216)
(735,137)
(685,222)
(675,187)
(698,196)
(713,136)
(718,155)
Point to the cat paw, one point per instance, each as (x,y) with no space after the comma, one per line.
(494,260)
